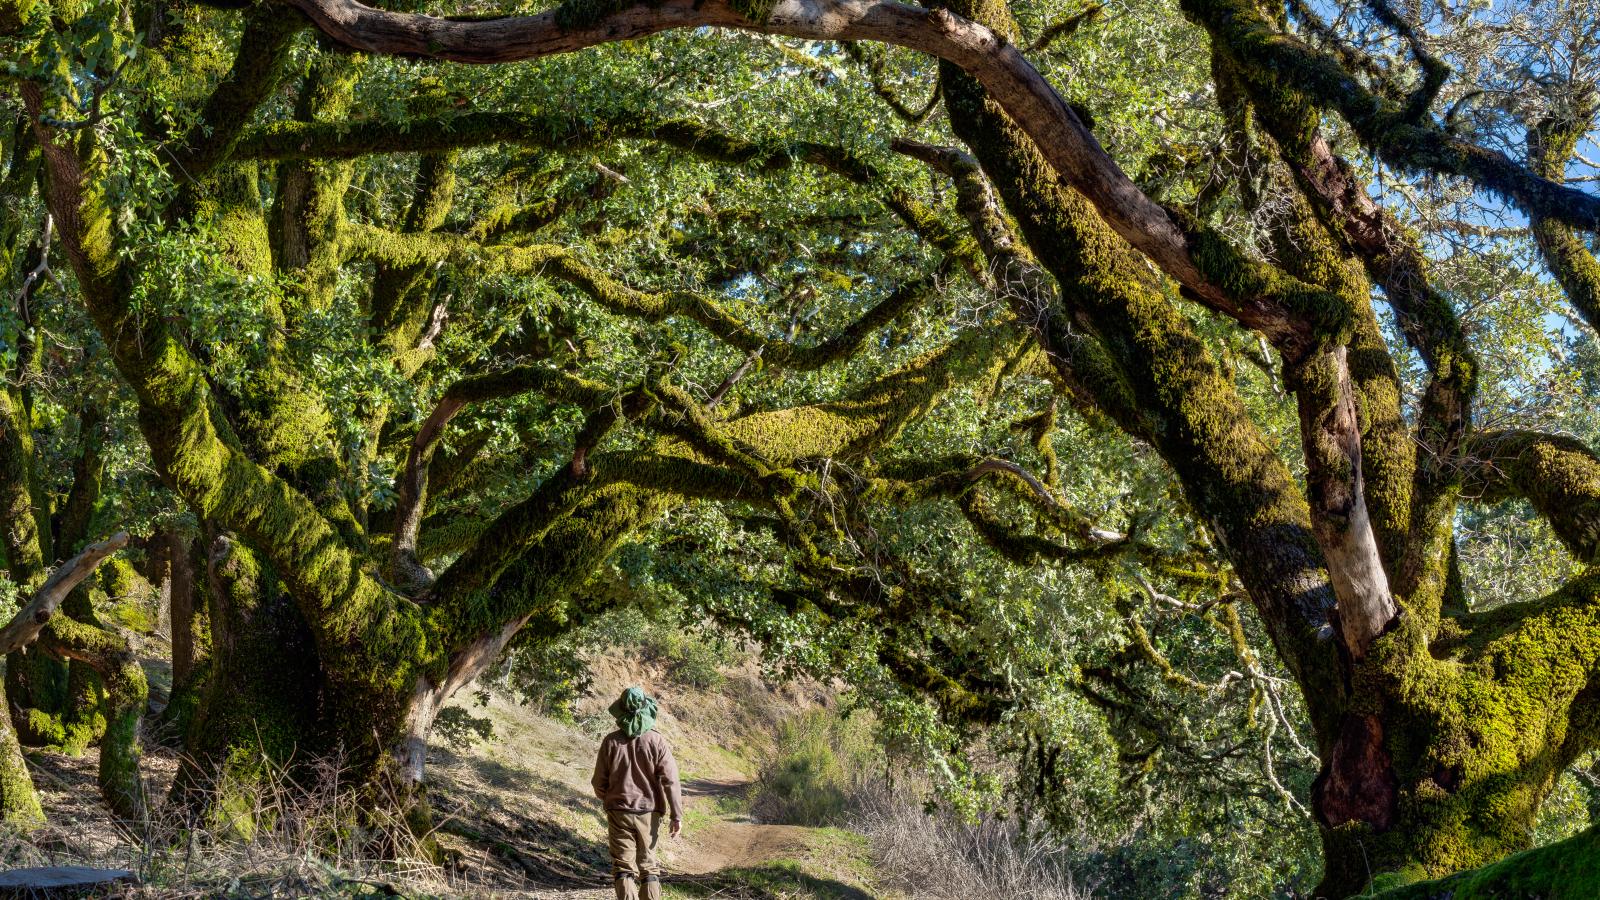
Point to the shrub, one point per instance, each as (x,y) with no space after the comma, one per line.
(830,770)
(816,772)
(691,659)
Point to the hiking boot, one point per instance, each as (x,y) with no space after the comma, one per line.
(628,887)
(652,887)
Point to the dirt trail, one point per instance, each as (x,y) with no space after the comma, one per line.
(523,813)
(729,841)
(718,840)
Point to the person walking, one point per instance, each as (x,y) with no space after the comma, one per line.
(636,778)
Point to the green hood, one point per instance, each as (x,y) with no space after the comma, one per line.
(635,712)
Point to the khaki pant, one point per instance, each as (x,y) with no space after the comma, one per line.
(633,852)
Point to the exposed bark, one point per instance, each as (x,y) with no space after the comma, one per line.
(181,600)
(25,626)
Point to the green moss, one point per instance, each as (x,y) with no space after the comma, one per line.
(1383,124)
(1567,870)
(14,13)
(575,14)
(1477,736)
(1185,405)
(1551,143)
(19,802)
(1328,314)
(1558,475)
(121,783)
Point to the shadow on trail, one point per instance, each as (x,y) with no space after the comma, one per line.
(710,787)
(771,882)
(545,853)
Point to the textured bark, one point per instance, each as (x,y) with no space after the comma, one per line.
(19,802)
(262,701)
(1230,473)
(181,600)
(25,626)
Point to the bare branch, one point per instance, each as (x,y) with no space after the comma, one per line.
(25,626)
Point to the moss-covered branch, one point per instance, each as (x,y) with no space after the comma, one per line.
(531,559)
(1558,475)
(1384,125)
(569,133)
(1551,143)
(25,626)
(1203,431)
(551,261)
(1080,362)
(121,782)
(257,68)
(412,482)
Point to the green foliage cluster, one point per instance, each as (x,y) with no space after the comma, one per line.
(816,770)
(757,377)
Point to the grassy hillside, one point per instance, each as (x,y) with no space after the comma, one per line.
(518,810)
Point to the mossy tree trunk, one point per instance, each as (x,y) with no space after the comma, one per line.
(1441,736)
(1440,730)
(19,801)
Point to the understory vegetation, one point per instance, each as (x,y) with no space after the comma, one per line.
(1158,435)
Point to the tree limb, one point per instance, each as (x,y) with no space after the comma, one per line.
(26,625)
(1552,142)
(558,262)
(412,482)
(1290,314)
(1384,125)
(1558,475)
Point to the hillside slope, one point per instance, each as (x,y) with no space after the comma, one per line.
(519,817)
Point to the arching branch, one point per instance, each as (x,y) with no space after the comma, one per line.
(26,625)
(558,262)
(412,482)
(1552,142)
(1385,125)
(568,133)
(1558,475)
(1091,378)
(1296,317)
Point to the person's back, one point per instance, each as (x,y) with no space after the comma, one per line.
(636,779)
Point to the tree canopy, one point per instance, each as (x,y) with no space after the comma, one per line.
(1208,388)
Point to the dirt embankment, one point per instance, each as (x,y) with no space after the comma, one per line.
(519,811)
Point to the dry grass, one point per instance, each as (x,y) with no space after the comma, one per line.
(829,771)
(944,858)
(311,835)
